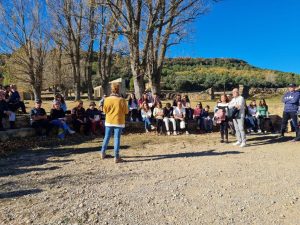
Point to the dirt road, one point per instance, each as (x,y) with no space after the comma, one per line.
(167,180)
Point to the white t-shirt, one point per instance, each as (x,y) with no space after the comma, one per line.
(179,112)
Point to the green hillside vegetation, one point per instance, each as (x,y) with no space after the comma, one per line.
(195,74)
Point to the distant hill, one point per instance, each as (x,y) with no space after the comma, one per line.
(188,74)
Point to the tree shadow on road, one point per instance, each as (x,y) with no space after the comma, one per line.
(20,193)
(179,155)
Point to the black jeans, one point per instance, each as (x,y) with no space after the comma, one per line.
(261,120)
(224,129)
(285,117)
(40,125)
(159,125)
(134,115)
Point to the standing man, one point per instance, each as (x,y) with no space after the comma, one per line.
(237,104)
(291,103)
(115,109)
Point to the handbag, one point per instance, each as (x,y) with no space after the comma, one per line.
(233,113)
(182,124)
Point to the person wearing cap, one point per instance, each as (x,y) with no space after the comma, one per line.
(115,109)
(291,104)
(79,118)
(93,117)
(39,119)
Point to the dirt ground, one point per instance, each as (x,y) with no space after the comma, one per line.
(166,180)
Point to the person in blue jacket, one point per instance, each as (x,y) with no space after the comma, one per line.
(291,104)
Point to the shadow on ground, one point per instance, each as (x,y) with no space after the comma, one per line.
(266,140)
(178,155)
(15,194)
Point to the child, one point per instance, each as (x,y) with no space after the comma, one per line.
(207,121)
(168,117)
(221,117)
(180,116)
(197,114)
(146,115)
(158,114)
(133,108)
(94,118)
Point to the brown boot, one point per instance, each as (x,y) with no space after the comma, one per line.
(119,160)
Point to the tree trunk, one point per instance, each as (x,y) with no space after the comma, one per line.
(37,91)
(105,86)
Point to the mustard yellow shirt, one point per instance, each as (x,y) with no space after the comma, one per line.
(115,109)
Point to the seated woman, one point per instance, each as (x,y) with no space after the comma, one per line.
(168,117)
(158,114)
(187,105)
(263,116)
(6,112)
(146,116)
(206,120)
(133,107)
(58,119)
(180,117)
(93,116)
(14,100)
(61,100)
(79,118)
(197,115)
(251,116)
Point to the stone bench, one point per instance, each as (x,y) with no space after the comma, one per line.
(16,133)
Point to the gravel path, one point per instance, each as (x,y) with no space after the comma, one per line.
(167,180)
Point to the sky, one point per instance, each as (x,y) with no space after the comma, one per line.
(265,33)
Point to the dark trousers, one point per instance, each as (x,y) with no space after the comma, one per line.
(40,125)
(178,125)
(224,130)
(261,121)
(159,125)
(15,106)
(134,115)
(2,115)
(285,118)
(77,126)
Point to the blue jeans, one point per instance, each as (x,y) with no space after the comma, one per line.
(147,122)
(117,137)
(61,125)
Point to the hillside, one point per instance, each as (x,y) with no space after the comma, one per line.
(201,73)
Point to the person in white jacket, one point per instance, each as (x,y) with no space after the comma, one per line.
(238,103)
(146,114)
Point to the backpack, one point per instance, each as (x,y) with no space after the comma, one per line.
(220,116)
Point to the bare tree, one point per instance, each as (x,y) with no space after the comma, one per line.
(22,26)
(67,30)
(174,17)
(150,27)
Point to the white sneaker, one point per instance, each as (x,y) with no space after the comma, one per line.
(168,133)
(175,133)
(259,131)
(71,131)
(237,143)
(187,133)
(152,127)
(243,145)
(147,131)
